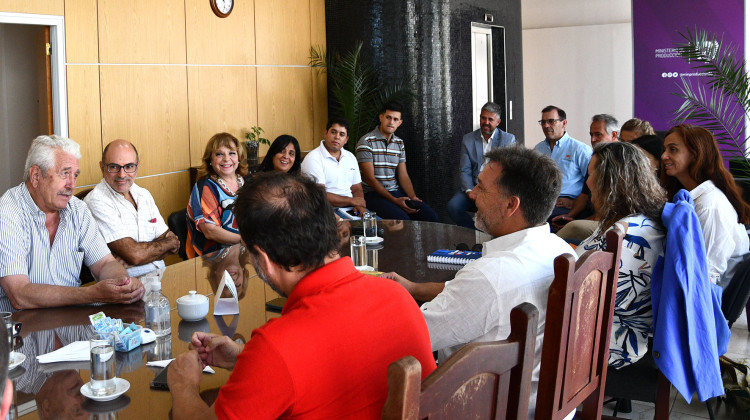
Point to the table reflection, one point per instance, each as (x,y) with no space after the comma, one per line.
(236,261)
(53,390)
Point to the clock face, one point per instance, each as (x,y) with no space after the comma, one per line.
(222,8)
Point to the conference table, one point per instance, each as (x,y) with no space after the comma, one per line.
(53,390)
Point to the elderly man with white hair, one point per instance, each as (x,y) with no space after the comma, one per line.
(46,234)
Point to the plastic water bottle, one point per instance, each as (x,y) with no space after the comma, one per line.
(157,311)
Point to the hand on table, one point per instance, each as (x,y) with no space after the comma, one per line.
(215,350)
(185,371)
(124,290)
(408,285)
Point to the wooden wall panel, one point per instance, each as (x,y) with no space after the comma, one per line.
(320,104)
(220,99)
(142,31)
(319,80)
(42,7)
(318,22)
(282,31)
(213,40)
(171,192)
(84,119)
(147,105)
(81,44)
(285,104)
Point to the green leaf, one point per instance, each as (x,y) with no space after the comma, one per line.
(712,105)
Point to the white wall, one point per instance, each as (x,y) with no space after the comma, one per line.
(577,55)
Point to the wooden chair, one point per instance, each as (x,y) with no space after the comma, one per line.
(490,380)
(576,333)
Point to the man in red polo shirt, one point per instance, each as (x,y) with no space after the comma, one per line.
(327,356)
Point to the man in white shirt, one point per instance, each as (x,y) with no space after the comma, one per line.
(48,234)
(515,193)
(126,214)
(337,170)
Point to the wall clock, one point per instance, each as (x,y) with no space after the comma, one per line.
(222,8)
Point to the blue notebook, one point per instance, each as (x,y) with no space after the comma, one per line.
(453,256)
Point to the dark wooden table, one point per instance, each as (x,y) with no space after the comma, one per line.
(53,388)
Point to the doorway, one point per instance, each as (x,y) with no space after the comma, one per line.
(32,88)
(488,71)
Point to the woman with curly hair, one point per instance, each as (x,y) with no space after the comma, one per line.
(627,196)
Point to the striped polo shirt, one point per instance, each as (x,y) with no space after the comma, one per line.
(25,248)
(384,155)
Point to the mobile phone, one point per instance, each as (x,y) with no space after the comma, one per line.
(160,381)
(275,305)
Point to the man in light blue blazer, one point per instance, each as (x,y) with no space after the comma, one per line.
(473,148)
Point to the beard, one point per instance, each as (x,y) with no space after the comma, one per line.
(480,223)
(264,277)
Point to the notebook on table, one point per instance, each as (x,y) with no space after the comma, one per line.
(453,256)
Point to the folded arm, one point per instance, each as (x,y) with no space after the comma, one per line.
(139,253)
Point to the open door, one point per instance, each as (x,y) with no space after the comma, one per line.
(44,63)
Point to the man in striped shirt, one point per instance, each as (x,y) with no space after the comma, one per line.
(382,163)
(46,234)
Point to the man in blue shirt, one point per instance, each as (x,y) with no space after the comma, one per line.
(571,155)
(473,148)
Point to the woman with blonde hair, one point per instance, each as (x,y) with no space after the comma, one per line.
(627,196)
(211,224)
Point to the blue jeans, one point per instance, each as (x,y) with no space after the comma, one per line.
(387,210)
(459,207)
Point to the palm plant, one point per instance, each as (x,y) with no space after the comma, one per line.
(357,94)
(722,104)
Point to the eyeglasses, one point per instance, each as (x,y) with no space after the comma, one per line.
(550,121)
(114,168)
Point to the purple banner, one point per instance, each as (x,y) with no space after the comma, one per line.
(657,68)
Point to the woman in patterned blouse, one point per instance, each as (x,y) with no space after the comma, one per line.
(211,224)
(627,196)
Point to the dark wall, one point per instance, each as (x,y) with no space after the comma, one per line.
(429,43)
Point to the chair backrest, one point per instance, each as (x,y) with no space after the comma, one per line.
(490,380)
(83,193)
(736,294)
(177,223)
(578,324)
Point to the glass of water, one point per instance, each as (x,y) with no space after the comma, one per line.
(102,355)
(358,250)
(370,225)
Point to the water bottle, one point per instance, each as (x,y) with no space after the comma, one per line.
(157,311)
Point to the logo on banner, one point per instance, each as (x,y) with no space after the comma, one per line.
(670,74)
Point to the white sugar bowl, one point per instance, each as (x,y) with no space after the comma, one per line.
(192,307)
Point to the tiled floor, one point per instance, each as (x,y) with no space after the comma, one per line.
(739,349)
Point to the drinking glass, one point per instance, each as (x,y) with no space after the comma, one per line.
(11,326)
(102,364)
(372,258)
(358,250)
(370,225)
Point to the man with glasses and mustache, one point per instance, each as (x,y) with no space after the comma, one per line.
(127,215)
(47,234)
(571,156)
